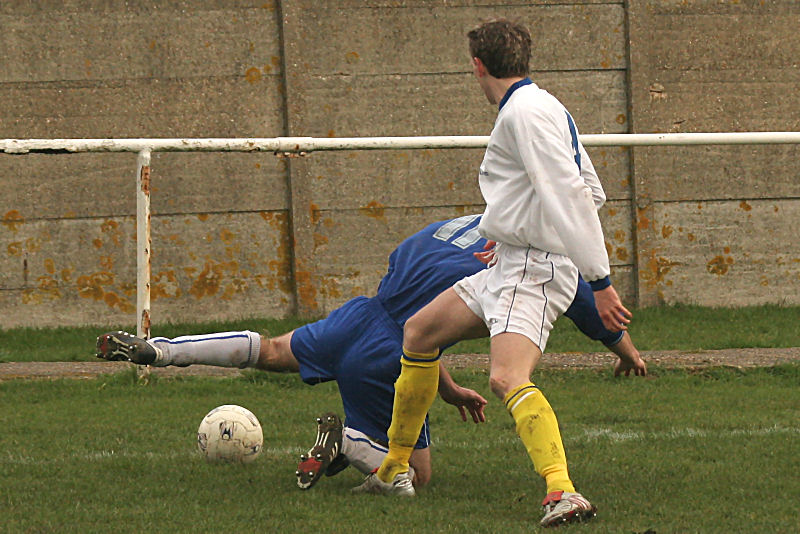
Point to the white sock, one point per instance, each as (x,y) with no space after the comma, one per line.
(223,349)
(363,453)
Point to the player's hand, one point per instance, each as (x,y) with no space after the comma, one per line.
(638,367)
(614,315)
(487,256)
(466,399)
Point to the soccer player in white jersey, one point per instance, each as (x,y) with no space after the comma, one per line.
(541,196)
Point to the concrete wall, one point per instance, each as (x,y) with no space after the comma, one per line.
(221,244)
(716,225)
(239,235)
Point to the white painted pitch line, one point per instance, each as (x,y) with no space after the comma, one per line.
(613,435)
(680,433)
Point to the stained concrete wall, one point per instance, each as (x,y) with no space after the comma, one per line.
(716,225)
(221,241)
(254,235)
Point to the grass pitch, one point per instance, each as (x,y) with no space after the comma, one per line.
(679,451)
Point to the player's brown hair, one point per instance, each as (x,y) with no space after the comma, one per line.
(503,46)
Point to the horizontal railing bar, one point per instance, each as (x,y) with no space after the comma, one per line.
(312,144)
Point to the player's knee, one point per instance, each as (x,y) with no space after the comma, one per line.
(415,336)
(420,461)
(421,478)
(422,471)
(499,384)
(502,381)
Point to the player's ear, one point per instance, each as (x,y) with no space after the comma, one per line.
(478,67)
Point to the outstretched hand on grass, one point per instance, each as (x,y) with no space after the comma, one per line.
(638,367)
(466,399)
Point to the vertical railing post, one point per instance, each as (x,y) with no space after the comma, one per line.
(143,244)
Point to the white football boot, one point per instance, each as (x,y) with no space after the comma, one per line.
(401,486)
(562,507)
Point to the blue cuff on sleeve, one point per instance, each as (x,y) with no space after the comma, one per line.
(602,283)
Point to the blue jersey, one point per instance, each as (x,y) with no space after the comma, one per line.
(429,262)
(359,344)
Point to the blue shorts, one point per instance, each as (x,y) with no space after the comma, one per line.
(359,346)
(584,314)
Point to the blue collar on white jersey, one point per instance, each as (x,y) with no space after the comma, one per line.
(517,85)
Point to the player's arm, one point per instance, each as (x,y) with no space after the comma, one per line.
(462,398)
(568,206)
(612,312)
(590,178)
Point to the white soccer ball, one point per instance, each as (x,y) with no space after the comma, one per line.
(230,433)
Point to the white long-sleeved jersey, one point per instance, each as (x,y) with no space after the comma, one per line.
(536,193)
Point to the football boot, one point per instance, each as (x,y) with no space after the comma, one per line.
(324,454)
(562,507)
(122,346)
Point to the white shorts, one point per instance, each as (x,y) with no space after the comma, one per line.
(524,292)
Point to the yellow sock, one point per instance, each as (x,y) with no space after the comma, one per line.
(414,393)
(537,427)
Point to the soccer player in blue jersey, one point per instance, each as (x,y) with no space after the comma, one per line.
(357,346)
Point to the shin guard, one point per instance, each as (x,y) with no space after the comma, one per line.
(537,427)
(414,393)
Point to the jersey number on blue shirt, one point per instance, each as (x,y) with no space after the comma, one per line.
(448,230)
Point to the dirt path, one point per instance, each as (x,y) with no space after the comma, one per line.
(596,360)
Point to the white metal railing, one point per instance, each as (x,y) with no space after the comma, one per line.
(312,144)
(304,145)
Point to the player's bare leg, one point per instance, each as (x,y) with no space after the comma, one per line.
(420,467)
(513,358)
(445,320)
